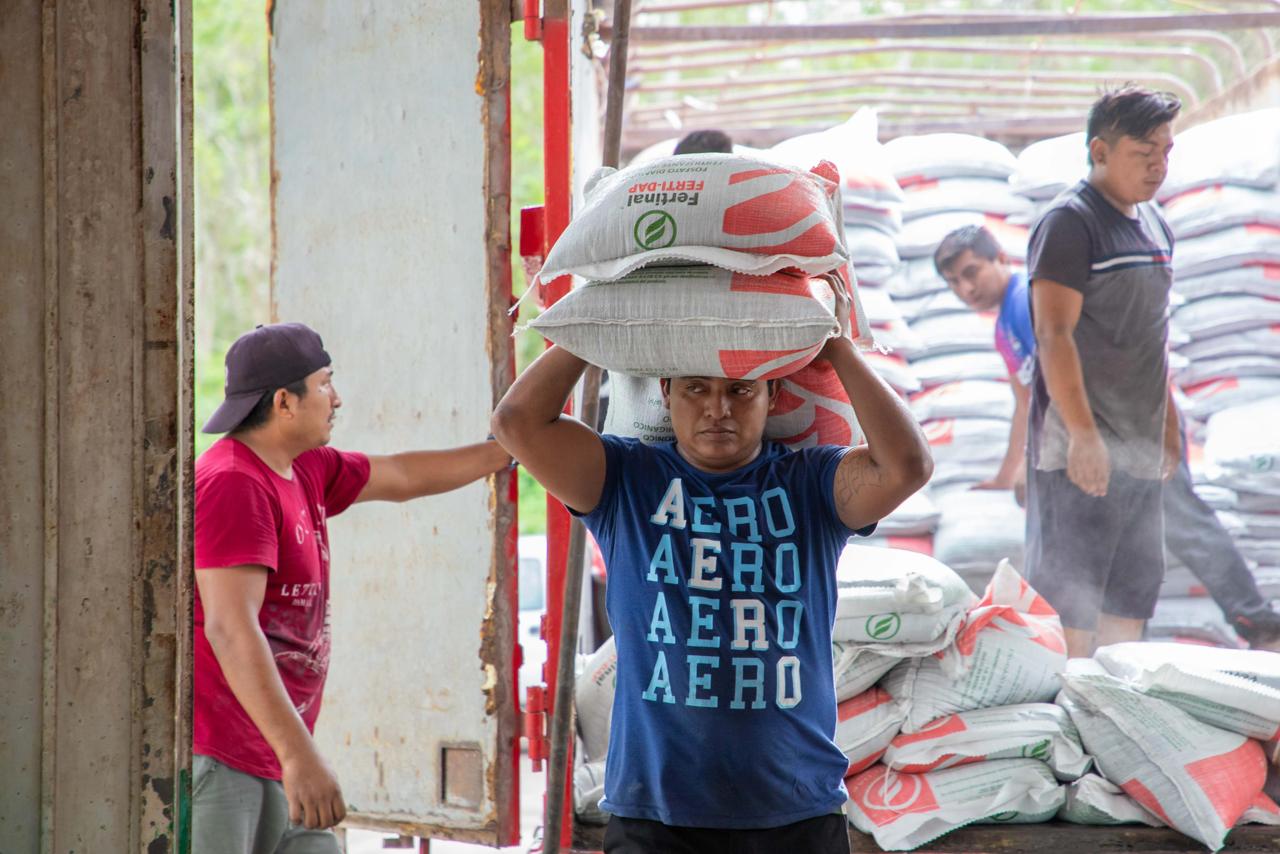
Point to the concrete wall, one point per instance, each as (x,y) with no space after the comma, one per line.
(94,442)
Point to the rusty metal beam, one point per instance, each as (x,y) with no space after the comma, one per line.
(1115,51)
(958,27)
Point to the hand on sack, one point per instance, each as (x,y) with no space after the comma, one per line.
(1089,463)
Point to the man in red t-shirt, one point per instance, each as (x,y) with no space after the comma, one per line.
(263,495)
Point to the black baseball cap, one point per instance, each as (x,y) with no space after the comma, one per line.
(261,361)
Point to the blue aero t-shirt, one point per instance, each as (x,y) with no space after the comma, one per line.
(722,597)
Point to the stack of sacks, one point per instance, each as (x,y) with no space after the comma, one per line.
(1223,206)
(893,605)
(1237,473)
(979,740)
(713,265)
(979,529)
(950,180)
(872,220)
(1242,453)
(872,199)
(1047,168)
(1173,729)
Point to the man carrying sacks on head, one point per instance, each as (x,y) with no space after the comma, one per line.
(722,551)
(1103,433)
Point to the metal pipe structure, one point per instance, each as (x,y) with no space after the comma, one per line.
(936,77)
(950,105)
(971,95)
(562,724)
(899,47)
(958,27)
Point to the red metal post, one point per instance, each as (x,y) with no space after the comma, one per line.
(557,177)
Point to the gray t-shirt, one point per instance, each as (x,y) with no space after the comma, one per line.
(1122,268)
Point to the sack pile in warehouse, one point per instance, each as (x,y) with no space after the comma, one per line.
(709,265)
(996,727)
(955,710)
(1223,206)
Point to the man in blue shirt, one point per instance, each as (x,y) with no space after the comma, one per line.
(972,263)
(722,550)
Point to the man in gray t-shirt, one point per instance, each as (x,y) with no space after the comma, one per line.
(1102,434)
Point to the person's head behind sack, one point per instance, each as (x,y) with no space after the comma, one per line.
(279,381)
(705,142)
(719,423)
(1130,135)
(974,266)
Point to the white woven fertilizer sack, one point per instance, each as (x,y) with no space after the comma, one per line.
(890,596)
(854,148)
(1213,397)
(1240,245)
(588,791)
(1096,800)
(979,529)
(1224,367)
(865,725)
(970,440)
(965,399)
(1240,149)
(1031,730)
(740,213)
(982,195)
(1221,315)
(953,367)
(895,370)
(916,517)
(1232,689)
(873,253)
(927,305)
(916,278)
(1245,440)
(593,700)
(1048,167)
(1010,650)
(914,159)
(904,811)
(956,333)
(1196,778)
(811,409)
(857,668)
(1215,208)
(921,236)
(695,321)
(1258,279)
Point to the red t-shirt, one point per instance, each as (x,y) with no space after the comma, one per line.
(248,514)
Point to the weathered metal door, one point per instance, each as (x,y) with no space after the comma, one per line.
(391,221)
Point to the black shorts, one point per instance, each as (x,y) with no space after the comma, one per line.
(826,834)
(1089,555)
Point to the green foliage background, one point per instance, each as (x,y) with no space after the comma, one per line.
(233,208)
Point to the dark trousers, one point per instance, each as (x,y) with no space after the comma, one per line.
(1194,535)
(826,834)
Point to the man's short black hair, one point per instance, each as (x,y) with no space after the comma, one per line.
(262,410)
(705,142)
(1131,110)
(974,238)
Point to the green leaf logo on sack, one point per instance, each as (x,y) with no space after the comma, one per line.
(655,230)
(883,626)
(1039,750)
